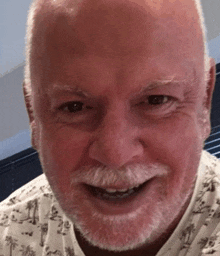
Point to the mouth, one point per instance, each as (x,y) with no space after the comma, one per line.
(120,199)
(116,195)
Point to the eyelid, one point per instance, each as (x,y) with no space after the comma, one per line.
(83,108)
(61,99)
(165,96)
(69,102)
(176,92)
(74,115)
(146,98)
(156,110)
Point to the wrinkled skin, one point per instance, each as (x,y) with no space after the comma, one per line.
(108,59)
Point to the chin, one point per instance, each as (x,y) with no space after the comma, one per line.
(123,232)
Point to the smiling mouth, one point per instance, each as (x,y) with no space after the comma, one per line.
(115,195)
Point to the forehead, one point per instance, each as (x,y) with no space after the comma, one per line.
(122,26)
(120,32)
(111,26)
(99,77)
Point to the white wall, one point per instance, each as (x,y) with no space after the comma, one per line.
(13,117)
(13,15)
(14,126)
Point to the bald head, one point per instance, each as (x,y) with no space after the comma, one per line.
(111,28)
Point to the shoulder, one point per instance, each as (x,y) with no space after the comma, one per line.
(32,190)
(211,163)
(32,221)
(210,172)
(23,215)
(34,196)
(208,205)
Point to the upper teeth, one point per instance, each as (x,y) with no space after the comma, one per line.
(112,190)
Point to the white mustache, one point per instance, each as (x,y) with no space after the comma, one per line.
(129,176)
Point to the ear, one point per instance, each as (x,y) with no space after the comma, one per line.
(210,85)
(29,108)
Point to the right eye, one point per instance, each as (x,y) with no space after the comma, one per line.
(72,107)
(75,112)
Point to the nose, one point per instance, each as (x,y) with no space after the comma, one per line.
(116,142)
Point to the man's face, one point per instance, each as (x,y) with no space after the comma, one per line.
(120,127)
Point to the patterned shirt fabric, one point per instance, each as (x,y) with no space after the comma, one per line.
(33,224)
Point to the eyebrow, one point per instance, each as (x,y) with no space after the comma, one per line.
(58,88)
(159,83)
(164,82)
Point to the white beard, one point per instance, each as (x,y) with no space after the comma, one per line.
(120,232)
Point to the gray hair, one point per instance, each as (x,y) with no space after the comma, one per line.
(29,44)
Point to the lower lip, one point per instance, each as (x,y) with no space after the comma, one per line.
(122,206)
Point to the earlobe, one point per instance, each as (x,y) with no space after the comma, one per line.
(29,108)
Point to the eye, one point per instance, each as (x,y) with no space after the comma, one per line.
(158,99)
(157,104)
(74,107)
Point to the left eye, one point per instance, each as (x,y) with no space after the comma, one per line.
(157,99)
(74,107)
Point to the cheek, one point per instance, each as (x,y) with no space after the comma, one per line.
(173,136)
(177,144)
(61,153)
